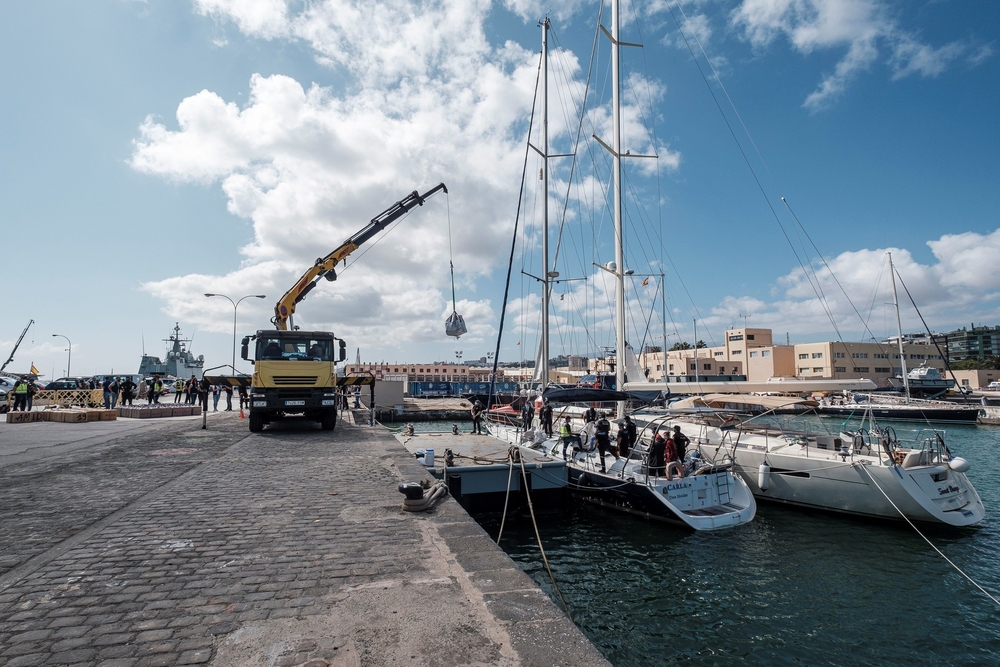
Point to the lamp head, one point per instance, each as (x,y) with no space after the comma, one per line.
(208,294)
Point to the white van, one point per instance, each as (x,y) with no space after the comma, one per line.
(993,386)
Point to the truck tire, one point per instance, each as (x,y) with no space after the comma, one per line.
(329,420)
(256,422)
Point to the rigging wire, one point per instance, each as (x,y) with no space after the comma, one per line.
(513,246)
(939,552)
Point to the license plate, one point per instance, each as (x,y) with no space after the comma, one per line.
(295,402)
(330,402)
(260,404)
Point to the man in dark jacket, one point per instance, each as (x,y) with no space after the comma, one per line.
(603,436)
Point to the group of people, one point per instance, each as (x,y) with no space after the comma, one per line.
(666,453)
(24,391)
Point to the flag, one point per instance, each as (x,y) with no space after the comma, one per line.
(34,371)
(518,342)
(645,282)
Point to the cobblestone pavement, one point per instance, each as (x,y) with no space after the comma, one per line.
(173,546)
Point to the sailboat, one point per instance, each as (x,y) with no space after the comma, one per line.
(706,497)
(906,407)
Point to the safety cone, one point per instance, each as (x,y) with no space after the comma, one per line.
(241,414)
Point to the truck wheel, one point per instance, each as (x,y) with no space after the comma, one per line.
(256,422)
(329,421)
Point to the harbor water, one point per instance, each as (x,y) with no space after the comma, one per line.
(794,587)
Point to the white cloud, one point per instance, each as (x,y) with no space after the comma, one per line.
(860,26)
(429,100)
(962,286)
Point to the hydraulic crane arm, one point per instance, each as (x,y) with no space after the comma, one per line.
(325,266)
(16,345)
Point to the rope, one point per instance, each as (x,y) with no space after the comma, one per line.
(503,519)
(451,259)
(534,523)
(907,519)
(438,490)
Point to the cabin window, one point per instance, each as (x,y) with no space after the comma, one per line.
(766,353)
(840,369)
(818,370)
(753,354)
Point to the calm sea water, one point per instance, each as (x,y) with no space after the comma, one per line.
(792,588)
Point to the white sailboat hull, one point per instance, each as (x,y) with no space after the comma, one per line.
(812,473)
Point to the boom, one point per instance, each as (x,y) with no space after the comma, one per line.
(325,266)
(16,345)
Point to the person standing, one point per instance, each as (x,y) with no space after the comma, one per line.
(157,390)
(528,413)
(229,398)
(632,433)
(128,391)
(115,388)
(477,416)
(590,415)
(546,418)
(202,387)
(32,390)
(621,440)
(178,390)
(357,396)
(680,442)
(603,436)
(215,397)
(656,453)
(143,389)
(106,386)
(21,394)
(244,403)
(567,436)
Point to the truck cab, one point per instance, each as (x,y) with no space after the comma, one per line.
(294,374)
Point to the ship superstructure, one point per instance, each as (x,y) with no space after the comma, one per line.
(179,362)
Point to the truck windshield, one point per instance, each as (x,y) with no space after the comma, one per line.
(295,349)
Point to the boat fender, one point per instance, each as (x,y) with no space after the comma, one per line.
(764,476)
(958,464)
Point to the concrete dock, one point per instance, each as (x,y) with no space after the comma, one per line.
(159,543)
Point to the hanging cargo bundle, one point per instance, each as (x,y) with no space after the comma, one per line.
(455,324)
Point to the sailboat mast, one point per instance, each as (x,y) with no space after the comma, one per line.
(899,328)
(545,206)
(619,244)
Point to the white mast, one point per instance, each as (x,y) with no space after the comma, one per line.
(899,328)
(619,245)
(545,205)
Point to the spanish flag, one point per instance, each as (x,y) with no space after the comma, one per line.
(34,371)
(645,282)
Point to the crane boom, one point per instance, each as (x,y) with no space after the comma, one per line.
(326,266)
(16,345)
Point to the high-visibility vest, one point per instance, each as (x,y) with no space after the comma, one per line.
(21,388)
(565,431)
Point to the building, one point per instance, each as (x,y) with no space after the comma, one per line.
(412,372)
(973,343)
(874,361)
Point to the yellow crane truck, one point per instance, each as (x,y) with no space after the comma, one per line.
(295,371)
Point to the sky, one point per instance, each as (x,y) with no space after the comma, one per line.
(154,151)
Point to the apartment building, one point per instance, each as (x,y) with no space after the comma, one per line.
(875,361)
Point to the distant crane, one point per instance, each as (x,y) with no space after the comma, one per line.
(16,345)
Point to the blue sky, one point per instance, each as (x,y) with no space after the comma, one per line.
(153,151)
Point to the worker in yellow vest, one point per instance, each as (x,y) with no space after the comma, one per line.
(21,394)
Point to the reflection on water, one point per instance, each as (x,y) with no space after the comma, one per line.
(793,587)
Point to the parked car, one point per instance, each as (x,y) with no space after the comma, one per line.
(68,383)
(993,386)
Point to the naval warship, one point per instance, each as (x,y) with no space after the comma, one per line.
(180,362)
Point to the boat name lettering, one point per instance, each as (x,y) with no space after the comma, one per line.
(678,485)
(950,489)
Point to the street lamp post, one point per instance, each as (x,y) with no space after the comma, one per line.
(236,305)
(69,358)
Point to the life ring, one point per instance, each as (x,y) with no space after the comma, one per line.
(676,465)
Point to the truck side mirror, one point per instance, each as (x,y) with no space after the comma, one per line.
(343,350)
(244,351)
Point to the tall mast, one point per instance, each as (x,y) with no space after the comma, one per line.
(899,328)
(545,205)
(619,245)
